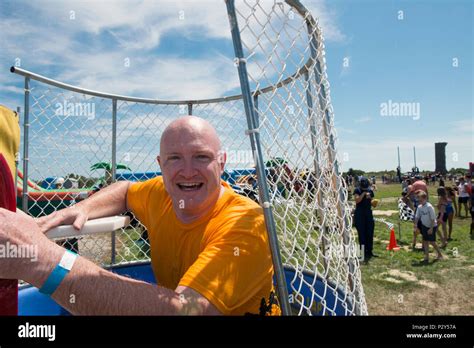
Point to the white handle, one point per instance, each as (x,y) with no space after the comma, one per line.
(106,224)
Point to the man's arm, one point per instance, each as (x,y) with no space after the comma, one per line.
(359,198)
(88,289)
(95,291)
(109,201)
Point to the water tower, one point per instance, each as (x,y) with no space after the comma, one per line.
(440,157)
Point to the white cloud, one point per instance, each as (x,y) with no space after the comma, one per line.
(464,126)
(327,19)
(53,41)
(89,49)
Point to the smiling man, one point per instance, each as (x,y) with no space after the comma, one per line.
(209,247)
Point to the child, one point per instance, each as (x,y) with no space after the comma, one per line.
(463,197)
(425,214)
(442,215)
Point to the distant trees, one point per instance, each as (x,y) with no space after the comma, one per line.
(462,171)
(354,172)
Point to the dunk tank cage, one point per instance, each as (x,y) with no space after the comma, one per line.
(283,118)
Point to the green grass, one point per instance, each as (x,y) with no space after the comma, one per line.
(385,191)
(443,287)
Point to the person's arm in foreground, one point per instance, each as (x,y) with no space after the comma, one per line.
(109,201)
(89,289)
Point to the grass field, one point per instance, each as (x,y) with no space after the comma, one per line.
(396,283)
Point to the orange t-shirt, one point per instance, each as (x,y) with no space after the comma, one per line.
(224,256)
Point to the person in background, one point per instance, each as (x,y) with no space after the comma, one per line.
(456,193)
(441,181)
(470,202)
(405,199)
(451,198)
(413,198)
(59,183)
(418,185)
(404,183)
(472,215)
(463,196)
(363,218)
(426,219)
(442,216)
(373,185)
(427,179)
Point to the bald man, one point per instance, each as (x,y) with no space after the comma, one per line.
(209,247)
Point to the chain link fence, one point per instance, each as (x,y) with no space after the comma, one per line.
(68,130)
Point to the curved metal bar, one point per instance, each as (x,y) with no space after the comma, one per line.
(295,4)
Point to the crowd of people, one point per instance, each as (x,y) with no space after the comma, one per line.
(452,201)
(455,199)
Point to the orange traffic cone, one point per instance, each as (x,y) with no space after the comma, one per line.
(393,241)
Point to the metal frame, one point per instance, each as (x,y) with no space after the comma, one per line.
(314,64)
(26,134)
(253,132)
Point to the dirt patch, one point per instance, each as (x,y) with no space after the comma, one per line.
(384,212)
(389,200)
(428,284)
(408,276)
(396,276)
(393,280)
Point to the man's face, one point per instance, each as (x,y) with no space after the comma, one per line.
(191,165)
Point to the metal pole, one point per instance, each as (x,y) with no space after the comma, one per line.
(17,160)
(190,109)
(414,156)
(253,133)
(399,167)
(398,150)
(26,128)
(114,164)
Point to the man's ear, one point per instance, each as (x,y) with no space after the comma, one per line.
(222,158)
(159,161)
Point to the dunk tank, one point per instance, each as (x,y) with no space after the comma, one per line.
(280,140)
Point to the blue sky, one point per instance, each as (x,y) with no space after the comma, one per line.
(407,60)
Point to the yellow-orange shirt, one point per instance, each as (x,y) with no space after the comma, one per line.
(225,255)
(9,136)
